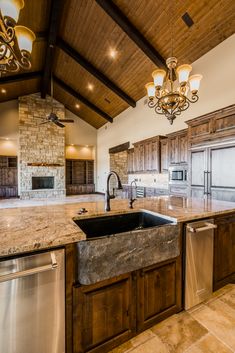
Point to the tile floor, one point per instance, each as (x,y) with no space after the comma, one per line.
(206,328)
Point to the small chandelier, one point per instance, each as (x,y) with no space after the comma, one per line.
(169,93)
(15,41)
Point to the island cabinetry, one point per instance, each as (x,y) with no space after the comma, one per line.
(217,124)
(224,251)
(112,311)
(158,293)
(104,314)
(178,147)
(147,155)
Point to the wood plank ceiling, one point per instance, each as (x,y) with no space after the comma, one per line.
(74,42)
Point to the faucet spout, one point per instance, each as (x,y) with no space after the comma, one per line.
(108,197)
(132,200)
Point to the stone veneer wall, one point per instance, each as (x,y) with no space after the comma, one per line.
(40,144)
(118,163)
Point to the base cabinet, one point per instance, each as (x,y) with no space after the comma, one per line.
(104,314)
(110,312)
(224,251)
(158,293)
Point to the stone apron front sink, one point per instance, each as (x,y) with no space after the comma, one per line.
(121,243)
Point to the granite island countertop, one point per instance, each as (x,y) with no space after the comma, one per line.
(44,227)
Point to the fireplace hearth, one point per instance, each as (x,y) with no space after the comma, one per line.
(39,183)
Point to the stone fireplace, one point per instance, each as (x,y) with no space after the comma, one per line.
(41,149)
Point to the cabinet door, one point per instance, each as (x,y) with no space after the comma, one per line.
(183,149)
(130,161)
(158,293)
(224,125)
(155,154)
(198,168)
(201,131)
(173,150)
(148,156)
(103,314)
(164,156)
(224,251)
(139,157)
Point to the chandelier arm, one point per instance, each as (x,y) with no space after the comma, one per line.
(152,103)
(194,98)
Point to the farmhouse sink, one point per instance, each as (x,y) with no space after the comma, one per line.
(122,243)
(119,223)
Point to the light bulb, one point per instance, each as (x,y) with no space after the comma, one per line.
(150,90)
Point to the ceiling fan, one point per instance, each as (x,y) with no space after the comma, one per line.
(52,117)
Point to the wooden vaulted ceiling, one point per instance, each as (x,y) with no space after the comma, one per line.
(74,38)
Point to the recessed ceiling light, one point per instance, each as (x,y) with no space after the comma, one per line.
(3,90)
(77,106)
(112,53)
(72,144)
(90,86)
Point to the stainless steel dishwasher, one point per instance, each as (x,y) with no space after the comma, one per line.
(199,261)
(32,304)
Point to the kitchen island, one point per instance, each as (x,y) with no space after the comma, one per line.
(101,315)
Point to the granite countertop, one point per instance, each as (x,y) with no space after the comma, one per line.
(44,227)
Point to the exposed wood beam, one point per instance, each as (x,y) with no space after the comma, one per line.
(94,71)
(20,77)
(116,14)
(84,100)
(55,12)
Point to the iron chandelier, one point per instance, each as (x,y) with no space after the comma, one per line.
(169,93)
(15,41)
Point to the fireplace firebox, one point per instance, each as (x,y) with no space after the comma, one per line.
(42,183)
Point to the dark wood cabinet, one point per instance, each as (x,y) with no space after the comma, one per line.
(158,293)
(164,155)
(130,161)
(8,177)
(178,147)
(103,314)
(211,126)
(147,156)
(79,176)
(110,312)
(224,251)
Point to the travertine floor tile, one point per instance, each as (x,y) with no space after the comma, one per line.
(179,332)
(209,344)
(219,319)
(153,345)
(134,342)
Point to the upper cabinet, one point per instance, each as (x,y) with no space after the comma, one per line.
(164,155)
(218,124)
(147,157)
(178,147)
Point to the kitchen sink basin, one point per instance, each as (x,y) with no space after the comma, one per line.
(120,223)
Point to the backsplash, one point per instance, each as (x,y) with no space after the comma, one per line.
(159,181)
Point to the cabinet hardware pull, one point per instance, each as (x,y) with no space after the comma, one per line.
(31,271)
(206,226)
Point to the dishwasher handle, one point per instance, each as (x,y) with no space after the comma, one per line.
(205,227)
(32,271)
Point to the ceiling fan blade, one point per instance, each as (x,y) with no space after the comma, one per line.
(66,120)
(58,123)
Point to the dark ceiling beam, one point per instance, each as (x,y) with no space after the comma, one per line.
(82,99)
(94,71)
(133,33)
(55,13)
(20,77)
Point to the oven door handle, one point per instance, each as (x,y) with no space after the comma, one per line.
(32,271)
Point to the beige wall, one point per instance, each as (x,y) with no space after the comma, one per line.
(9,122)
(79,152)
(134,124)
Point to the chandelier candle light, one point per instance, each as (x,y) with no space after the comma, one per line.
(169,93)
(15,41)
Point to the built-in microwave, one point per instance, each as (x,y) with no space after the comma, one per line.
(178,174)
